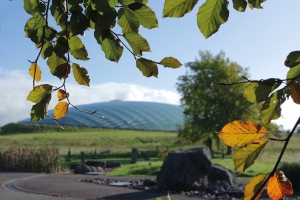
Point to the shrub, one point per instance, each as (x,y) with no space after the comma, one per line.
(47,160)
(292,172)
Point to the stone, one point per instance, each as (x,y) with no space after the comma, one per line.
(185,170)
(149,183)
(68,158)
(75,165)
(218,187)
(82,156)
(83,169)
(135,155)
(96,163)
(113,164)
(220,173)
(95,154)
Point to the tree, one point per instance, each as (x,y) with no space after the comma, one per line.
(209,105)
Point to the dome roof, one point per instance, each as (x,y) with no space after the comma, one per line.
(118,114)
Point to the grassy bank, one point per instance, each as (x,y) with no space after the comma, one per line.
(116,145)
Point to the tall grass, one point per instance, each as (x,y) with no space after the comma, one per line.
(45,159)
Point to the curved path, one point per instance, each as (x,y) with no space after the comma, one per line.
(65,186)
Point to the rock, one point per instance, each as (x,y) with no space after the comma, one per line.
(185,170)
(218,187)
(96,163)
(220,173)
(75,165)
(113,164)
(83,169)
(236,192)
(149,183)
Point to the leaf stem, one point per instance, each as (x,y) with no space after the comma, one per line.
(278,160)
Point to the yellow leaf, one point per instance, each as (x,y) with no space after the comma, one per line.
(244,157)
(253,187)
(239,133)
(279,186)
(35,69)
(61,110)
(61,94)
(295,92)
(81,75)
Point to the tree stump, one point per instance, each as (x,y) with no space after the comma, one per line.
(185,170)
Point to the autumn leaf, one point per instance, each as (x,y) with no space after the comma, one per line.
(239,133)
(81,75)
(253,187)
(35,72)
(61,94)
(244,157)
(279,186)
(295,92)
(61,110)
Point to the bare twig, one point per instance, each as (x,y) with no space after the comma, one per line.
(55,121)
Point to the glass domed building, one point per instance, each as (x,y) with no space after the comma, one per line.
(132,115)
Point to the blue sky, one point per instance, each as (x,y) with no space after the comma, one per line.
(258,39)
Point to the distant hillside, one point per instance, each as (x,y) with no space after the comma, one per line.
(14,128)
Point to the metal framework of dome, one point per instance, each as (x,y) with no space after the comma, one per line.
(132,115)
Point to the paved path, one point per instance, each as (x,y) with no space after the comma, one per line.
(65,186)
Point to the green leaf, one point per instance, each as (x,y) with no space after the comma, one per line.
(293,73)
(80,75)
(147,67)
(128,2)
(39,110)
(293,59)
(257,92)
(77,49)
(145,15)
(110,45)
(178,8)
(108,20)
(240,5)
(75,5)
(79,23)
(39,92)
(170,62)
(34,23)
(256,3)
(245,156)
(47,49)
(102,6)
(112,3)
(127,20)
(58,65)
(137,42)
(211,15)
(33,6)
(58,11)
(38,36)
(61,46)
(271,107)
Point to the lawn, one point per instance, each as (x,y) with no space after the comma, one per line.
(116,145)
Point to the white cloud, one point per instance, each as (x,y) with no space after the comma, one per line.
(15,86)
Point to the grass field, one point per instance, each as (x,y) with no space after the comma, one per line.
(116,145)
